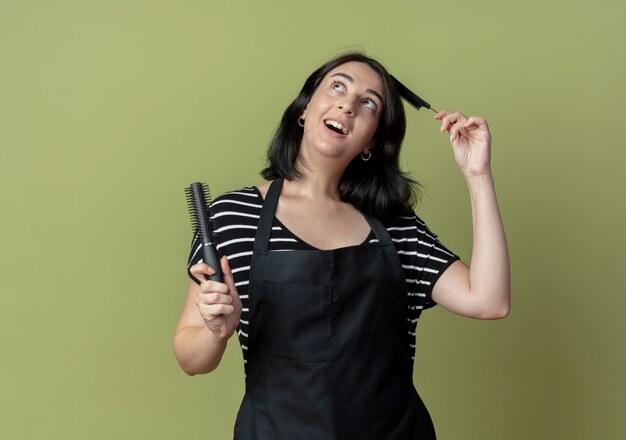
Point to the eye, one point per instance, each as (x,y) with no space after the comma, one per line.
(338,86)
(370,104)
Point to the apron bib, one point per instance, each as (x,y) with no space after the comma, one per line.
(329,355)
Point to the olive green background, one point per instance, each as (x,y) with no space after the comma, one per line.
(108,109)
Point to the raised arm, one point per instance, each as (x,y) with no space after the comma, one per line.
(482,290)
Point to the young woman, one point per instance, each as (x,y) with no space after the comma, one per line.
(327,268)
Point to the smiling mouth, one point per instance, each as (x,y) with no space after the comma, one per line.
(335,126)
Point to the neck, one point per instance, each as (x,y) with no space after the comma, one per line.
(314,185)
(320,173)
(317,183)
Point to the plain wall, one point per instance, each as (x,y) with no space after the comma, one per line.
(108,109)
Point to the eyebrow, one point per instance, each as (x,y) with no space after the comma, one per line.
(349,78)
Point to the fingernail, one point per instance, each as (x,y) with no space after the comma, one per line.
(451,137)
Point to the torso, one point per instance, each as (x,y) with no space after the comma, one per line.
(331,324)
(236,215)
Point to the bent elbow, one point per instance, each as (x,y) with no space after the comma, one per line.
(188,363)
(499,311)
(192,369)
(185,366)
(187,369)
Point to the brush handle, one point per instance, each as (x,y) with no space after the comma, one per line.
(209,256)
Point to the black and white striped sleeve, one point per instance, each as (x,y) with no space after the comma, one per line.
(435,259)
(423,257)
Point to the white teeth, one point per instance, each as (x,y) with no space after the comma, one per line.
(336,124)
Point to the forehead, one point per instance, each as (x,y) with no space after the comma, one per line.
(362,74)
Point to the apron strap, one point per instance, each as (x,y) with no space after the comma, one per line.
(264,228)
(379,229)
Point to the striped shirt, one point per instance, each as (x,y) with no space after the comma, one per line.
(235,217)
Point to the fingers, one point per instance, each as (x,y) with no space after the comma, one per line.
(215,295)
(227,274)
(475,122)
(210,286)
(450,121)
(214,299)
(209,312)
(454,122)
(201,271)
(446,117)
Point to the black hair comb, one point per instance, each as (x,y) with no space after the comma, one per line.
(198,200)
(411,97)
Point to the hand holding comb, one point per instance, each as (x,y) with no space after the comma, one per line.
(198,200)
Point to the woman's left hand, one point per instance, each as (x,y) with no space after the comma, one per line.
(471,142)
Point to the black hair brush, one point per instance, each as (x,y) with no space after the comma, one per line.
(198,200)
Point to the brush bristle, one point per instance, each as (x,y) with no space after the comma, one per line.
(198,197)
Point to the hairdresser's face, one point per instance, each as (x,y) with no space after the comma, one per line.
(343,115)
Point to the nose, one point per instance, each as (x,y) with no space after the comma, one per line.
(346,106)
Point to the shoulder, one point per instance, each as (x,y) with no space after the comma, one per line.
(409,225)
(262,188)
(411,233)
(234,216)
(243,199)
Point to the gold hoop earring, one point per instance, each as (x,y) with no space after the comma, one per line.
(365,157)
(301,121)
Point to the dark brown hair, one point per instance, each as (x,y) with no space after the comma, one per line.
(378,186)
